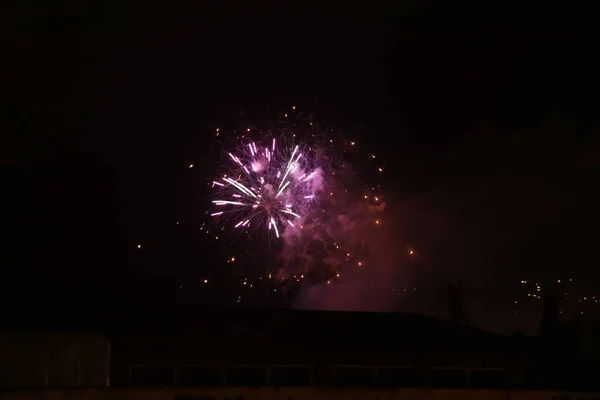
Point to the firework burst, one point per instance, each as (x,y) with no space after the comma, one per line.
(269,186)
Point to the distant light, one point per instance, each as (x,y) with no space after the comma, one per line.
(285,115)
(206,281)
(558,281)
(248,130)
(139,246)
(411,252)
(191,165)
(380,169)
(293,107)
(351,143)
(377,221)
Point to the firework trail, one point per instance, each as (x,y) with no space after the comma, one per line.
(269,186)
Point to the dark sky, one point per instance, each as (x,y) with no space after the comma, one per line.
(487,114)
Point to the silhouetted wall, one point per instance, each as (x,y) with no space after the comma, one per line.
(292,394)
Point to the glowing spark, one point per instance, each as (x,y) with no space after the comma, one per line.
(275,226)
(282,189)
(288,167)
(310,176)
(222,202)
(291,212)
(215,214)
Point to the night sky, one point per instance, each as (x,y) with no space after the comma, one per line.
(486,119)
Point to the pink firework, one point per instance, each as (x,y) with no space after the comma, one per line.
(268,186)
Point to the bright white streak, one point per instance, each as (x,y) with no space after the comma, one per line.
(254,145)
(275,226)
(246,222)
(288,167)
(234,158)
(217,213)
(290,222)
(222,202)
(217,183)
(310,176)
(309,197)
(240,187)
(281,190)
(251,149)
(273,144)
(238,224)
(291,212)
